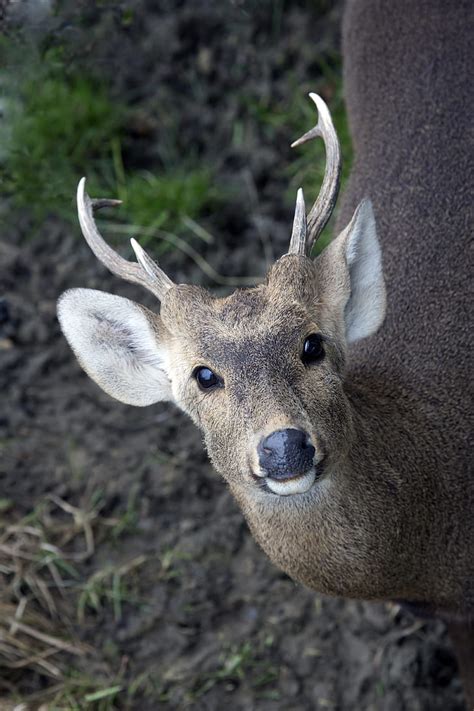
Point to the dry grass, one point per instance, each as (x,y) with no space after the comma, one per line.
(41,593)
(29,642)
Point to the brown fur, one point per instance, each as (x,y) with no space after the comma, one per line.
(379,525)
(391,514)
(408,83)
(393,518)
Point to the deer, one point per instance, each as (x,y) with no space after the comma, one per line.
(333,397)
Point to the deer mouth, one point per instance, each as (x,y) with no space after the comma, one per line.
(293,485)
(286,482)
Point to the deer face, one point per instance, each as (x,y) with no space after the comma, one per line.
(261,375)
(261,371)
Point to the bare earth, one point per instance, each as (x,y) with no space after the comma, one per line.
(212,623)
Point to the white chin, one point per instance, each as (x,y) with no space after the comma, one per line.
(298,485)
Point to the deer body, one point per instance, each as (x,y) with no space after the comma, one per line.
(408,85)
(410,103)
(347,454)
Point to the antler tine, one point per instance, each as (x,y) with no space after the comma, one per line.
(147,273)
(298,235)
(326,200)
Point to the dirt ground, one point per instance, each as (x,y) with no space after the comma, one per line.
(207,622)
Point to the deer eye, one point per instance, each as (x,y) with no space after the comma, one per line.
(206,378)
(313,349)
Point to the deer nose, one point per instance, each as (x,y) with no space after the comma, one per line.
(285,454)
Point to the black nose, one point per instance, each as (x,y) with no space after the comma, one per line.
(285,454)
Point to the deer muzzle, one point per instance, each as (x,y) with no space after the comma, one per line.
(286,461)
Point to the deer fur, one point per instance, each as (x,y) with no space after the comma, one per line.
(387,511)
(408,88)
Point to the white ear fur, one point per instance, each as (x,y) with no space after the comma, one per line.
(117,342)
(365,308)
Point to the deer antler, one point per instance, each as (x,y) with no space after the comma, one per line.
(147,273)
(298,234)
(326,200)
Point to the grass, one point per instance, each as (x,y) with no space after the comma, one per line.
(166,202)
(42,584)
(61,124)
(45,591)
(57,124)
(79,691)
(127,522)
(236,663)
(82,692)
(108,586)
(291,120)
(171,560)
(35,574)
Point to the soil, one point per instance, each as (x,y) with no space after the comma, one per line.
(211,623)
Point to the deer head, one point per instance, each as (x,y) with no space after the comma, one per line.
(261,371)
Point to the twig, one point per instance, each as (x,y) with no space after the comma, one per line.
(189,250)
(46,638)
(198,230)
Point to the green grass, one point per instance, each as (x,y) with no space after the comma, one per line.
(236,662)
(60,125)
(126,522)
(162,202)
(108,586)
(172,560)
(82,692)
(293,119)
(88,692)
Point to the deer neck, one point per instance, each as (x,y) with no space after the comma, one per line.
(362,531)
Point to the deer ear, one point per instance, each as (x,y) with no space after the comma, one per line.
(351,275)
(120,345)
